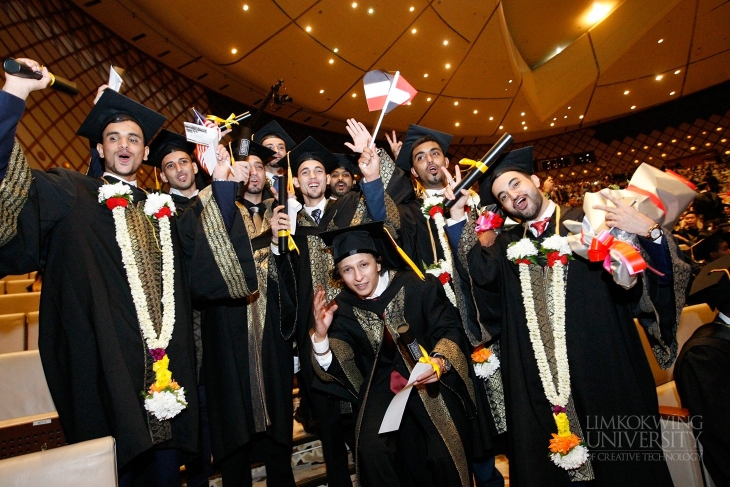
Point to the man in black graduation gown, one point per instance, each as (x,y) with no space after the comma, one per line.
(96,361)
(172,155)
(272,136)
(703,369)
(342,178)
(248,360)
(610,379)
(359,346)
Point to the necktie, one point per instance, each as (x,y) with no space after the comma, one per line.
(256,217)
(540,225)
(316,215)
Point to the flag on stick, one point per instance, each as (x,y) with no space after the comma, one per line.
(384,91)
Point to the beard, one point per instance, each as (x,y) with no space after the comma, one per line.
(531,210)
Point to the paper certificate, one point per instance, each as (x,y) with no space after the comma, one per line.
(394,414)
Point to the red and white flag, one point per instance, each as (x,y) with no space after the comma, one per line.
(383,85)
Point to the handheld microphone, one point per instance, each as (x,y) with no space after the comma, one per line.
(283,200)
(480,168)
(21,70)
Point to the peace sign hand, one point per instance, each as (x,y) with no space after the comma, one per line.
(457,211)
(624,217)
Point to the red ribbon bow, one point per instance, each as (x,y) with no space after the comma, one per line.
(488,221)
(604,246)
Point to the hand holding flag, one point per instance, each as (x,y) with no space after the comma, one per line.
(384,91)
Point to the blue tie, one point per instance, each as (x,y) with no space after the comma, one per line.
(316,215)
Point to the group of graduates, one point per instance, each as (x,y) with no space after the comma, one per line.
(370,283)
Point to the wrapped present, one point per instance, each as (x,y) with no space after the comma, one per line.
(660,196)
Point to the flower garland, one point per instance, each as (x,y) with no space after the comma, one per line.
(485,362)
(165,399)
(567,449)
(433,207)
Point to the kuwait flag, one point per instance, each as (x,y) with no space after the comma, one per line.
(382,85)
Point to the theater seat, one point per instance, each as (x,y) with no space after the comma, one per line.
(12,333)
(90,462)
(2,287)
(20,303)
(18,286)
(31,329)
(23,387)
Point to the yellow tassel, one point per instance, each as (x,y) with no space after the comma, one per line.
(405,257)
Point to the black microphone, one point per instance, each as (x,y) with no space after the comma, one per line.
(283,200)
(22,70)
(481,167)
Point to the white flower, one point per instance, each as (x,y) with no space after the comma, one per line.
(556,242)
(166,404)
(116,190)
(521,249)
(487,369)
(156,201)
(576,457)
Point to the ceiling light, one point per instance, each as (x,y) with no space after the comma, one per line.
(636,161)
(552,124)
(409,103)
(660,41)
(501,127)
(568,108)
(425,75)
(626,92)
(335,49)
(354,4)
(692,148)
(446,43)
(671,93)
(475,112)
(555,118)
(677,71)
(704,132)
(581,117)
(659,77)
(708,144)
(491,118)
(689,136)
(428,99)
(598,12)
(633,150)
(456,103)
(674,140)
(658,144)
(448,66)
(321,91)
(332,61)
(723,140)
(727,152)
(354,95)
(565,116)
(370,11)
(558,50)
(245,7)
(522,114)
(633,106)
(412,9)
(234,50)
(510,81)
(524,128)
(664,154)
(646,147)
(719,129)
(413,31)
(619,153)
(309,28)
(457,124)
(523,122)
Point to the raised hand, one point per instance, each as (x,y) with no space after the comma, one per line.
(223,167)
(323,314)
(395,144)
(457,211)
(279,221)
(369,163)
(624,217)
(360,135)
(240,172)
(22,87)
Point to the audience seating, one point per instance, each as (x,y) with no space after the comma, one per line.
(12,332)
(2,287)
(20,303)
(90,462)
(31,340)
(18,286)
(17,277)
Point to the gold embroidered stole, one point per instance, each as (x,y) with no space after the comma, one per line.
(14,190)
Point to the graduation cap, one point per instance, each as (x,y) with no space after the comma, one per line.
(413,135)
(274,129)
(702,249)
(165,143)
(516,160)
(349,162)
(311,150)
(372,238)
(244,147)
(710,285)
(113,107)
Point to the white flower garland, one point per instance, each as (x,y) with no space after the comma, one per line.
(576,457)
(485,370)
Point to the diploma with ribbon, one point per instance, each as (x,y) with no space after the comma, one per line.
(662,196)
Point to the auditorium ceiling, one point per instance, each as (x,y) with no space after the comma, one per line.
(482,67)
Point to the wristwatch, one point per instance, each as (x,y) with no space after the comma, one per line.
(655,231)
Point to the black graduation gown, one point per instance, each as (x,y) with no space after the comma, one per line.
(610,376)
(245,363)
(435,325)
(182,202)
(90,343)
(701,374)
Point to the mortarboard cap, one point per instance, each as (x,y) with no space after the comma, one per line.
(702,249)
(366,238)
(165,143)
(413,135)
(712,284)
(349,162)
(113,106)
(309,150)
(243,147)
(274,129)
(516,160)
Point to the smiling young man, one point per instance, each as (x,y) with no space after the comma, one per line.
(274,137)
(596,320)
(342,178)
(171,153)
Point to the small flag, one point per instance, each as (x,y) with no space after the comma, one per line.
(378,85)
(200,149)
